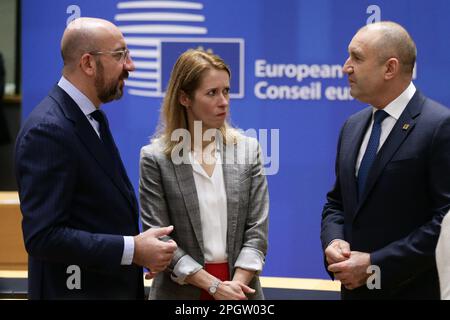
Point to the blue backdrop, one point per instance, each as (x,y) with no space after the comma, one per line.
(285,58)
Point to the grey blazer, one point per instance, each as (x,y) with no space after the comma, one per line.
(168,197)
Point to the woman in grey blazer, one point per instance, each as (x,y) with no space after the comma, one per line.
(206,179)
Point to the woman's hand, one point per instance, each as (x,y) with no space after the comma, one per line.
(232,290)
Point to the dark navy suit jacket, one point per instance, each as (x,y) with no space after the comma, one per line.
(76,205)
(407,194)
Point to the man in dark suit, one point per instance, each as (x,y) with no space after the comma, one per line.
(80,214)
(392,187)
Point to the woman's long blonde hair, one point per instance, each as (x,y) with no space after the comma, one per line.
(185,77)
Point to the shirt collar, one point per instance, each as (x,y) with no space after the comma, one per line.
(196,166)
(396,107)
(80,99)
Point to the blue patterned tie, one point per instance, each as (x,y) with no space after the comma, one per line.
(105,133)
(371,151)
(108,142)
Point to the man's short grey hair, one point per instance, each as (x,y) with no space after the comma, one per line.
(394,42)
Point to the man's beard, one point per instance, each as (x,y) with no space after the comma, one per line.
(111,91)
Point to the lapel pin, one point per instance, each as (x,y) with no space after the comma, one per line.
(405,126)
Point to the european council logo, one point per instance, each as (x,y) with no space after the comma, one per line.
(157,32)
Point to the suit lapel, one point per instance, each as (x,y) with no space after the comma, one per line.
(350,150)
(122,176)
(99,152)
(231,181)
(185,178)
(90,139)
(393,142)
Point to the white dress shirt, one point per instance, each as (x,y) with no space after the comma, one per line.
(443,258)
(394,110)
(212,200)
(87,107)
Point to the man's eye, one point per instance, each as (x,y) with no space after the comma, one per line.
(117,55)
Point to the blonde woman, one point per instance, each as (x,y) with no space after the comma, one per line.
(206,179)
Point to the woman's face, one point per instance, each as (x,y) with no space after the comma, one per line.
(211,100)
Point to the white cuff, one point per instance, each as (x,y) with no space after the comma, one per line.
(250,259)
(128,251)
(184,267)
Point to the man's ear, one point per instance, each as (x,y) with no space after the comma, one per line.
(184,99)
(392,68)
(87,64)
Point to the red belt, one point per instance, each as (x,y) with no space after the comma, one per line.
(218,270)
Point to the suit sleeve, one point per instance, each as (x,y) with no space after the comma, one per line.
(415,253)
(46,171)
(254,246)
(155,214)
(332,225)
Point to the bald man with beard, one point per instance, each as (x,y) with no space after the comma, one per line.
(80,214)
(392,186)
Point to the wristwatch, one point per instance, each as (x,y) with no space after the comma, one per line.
(213,287)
